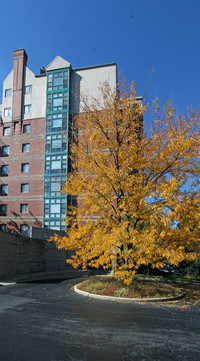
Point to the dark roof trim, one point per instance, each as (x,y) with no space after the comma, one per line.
(40,75)
(96,66)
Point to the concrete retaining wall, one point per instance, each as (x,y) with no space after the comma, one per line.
(22,255)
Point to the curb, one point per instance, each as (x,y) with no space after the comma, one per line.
(125,299)
(7,283)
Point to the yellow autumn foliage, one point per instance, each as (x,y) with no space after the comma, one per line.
(137,192)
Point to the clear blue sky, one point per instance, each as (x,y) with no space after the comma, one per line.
(139,35)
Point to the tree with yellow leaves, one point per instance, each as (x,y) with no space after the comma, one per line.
(137,192)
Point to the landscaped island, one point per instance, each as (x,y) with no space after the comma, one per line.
(139,288)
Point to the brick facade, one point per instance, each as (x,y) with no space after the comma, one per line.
(20,61)
(16,178)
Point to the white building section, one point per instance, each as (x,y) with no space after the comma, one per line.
(86,82)
(34,95)
(58,63)
(7,98)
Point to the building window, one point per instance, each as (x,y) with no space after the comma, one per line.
(26,148)
(3,227)
(27,109)
(24,188)
(4,169)
(7,112)
(56,143)
(56,122)
(25,167)
(26,128)
(28,89)
(24,229)
(6,131)
(57,101)
(5,150)
(57,80)
(23,208)
(55,208)
(53,185)
(57,225)
(56,164)
(8,93)
(4,189)
(3,209)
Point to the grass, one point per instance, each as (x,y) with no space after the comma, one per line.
(140,288)
(172,277)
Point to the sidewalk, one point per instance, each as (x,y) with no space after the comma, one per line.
(50,276)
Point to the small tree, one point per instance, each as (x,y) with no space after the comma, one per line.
(137,193)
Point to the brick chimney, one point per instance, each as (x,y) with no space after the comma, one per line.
(20,61)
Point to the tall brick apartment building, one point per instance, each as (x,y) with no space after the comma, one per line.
(35,115)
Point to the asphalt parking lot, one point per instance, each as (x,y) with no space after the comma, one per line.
(47,321)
